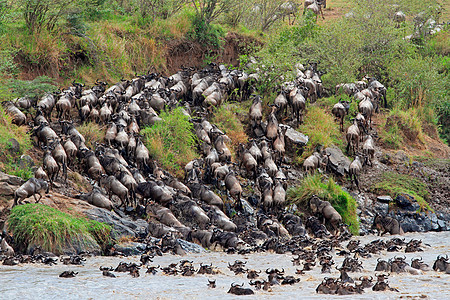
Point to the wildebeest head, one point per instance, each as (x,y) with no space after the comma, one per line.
(441,263)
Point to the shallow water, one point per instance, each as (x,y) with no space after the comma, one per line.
(37,281)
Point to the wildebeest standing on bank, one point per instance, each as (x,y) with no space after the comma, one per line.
(328,212)
(30,188)
(386,224)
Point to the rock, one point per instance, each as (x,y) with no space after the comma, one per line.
(190,247)
(292,208)
(13,146)
(295,140)
(130,248)
(294,175)
(26,162)
(386,159)
(384,199)
(6,189)
(401,157)
(339,162)
(407,202)
(409,224)
(11,179)
(247,208)
(443,226)
(122,226)
(417,164)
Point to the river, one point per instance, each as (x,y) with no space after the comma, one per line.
(37,281)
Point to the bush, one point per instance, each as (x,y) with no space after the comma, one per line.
(32,88)
(329,191)
(417,81)
(171,141)
(207,34)
(55,231)
(395,184)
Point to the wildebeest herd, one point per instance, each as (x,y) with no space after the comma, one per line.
(210,206)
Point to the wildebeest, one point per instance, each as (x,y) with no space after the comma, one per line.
(30,188)
(239,290)
(441,264)
(328,212)
(386,225)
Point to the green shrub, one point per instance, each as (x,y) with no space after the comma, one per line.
(415,81)
(326,190)
(32,88)
(55,231)
(172,141)
(206,33)
(395,184)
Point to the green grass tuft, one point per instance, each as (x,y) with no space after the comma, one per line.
(172,141)
(321,129)
(402,128)
(395,184)
(9,161)
(329,191)
(93,133)
(227,119)
(55,231)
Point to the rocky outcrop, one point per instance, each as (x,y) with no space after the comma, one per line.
(122,226)
(339,163)
(408,212)
(8,184)
(294,139)
(410,215)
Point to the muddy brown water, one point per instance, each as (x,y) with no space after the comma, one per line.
(37,281)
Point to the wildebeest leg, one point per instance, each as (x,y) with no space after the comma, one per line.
(65,172)
(357,182)
(40,197)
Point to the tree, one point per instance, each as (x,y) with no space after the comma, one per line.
(210,10)
(39,14)
(160,8)
(265,13)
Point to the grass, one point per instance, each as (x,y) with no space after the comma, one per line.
(227,119)
(55,231)
(9,160)
(172,141)
(400,128)
(111,49)
(329,191)
(395,184)
(321,129)
(93,133)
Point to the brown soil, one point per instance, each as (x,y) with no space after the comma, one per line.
(183,52)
